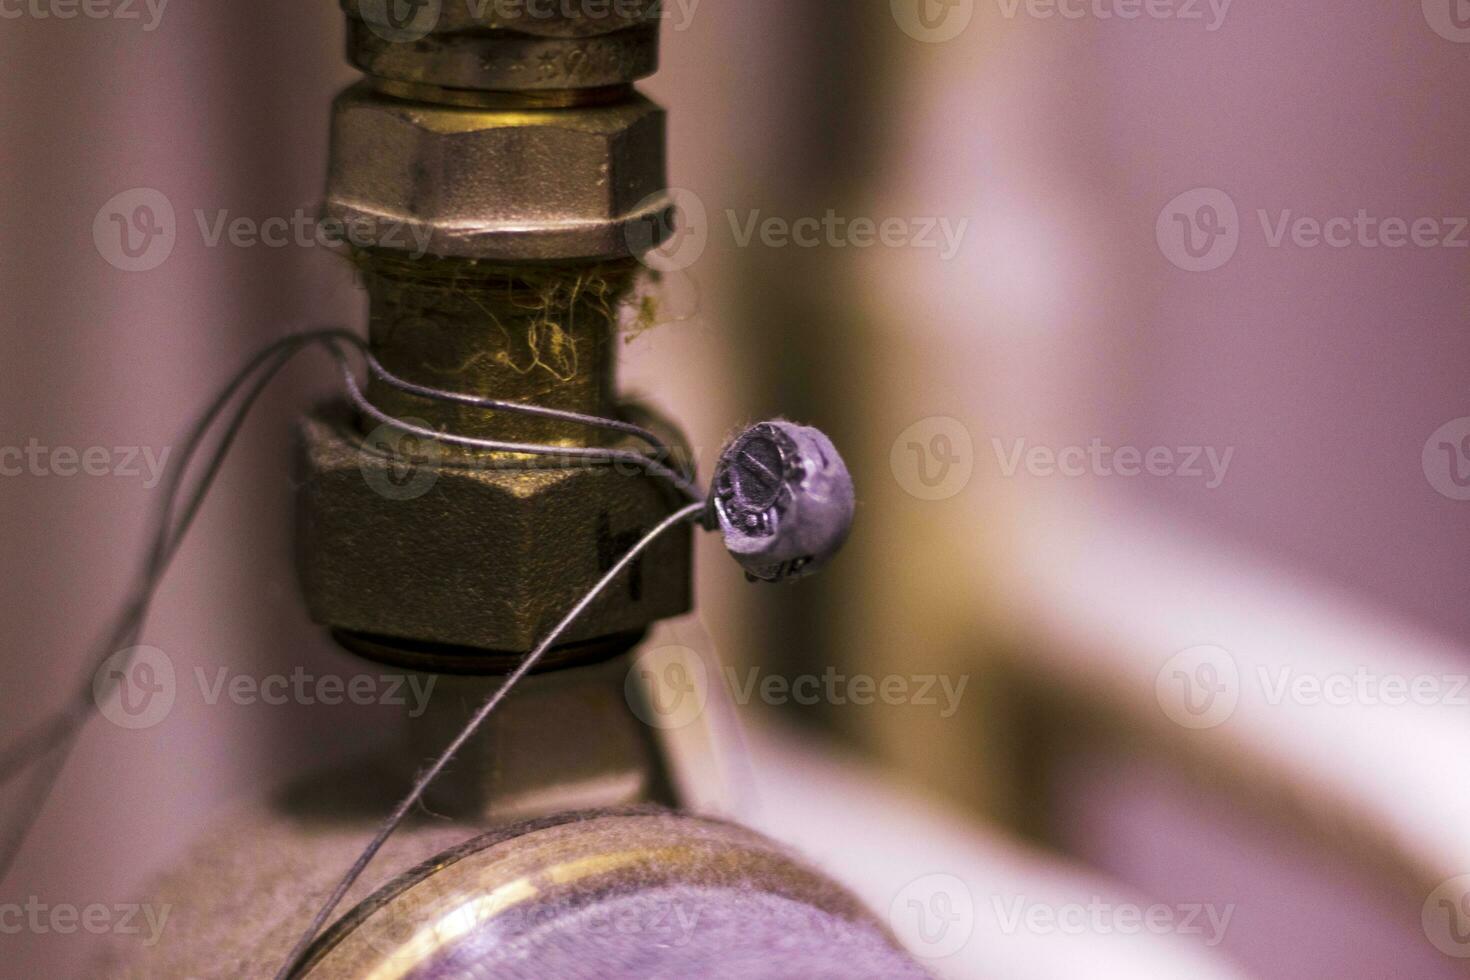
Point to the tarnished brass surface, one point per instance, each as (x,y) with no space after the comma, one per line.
(489,556)
(505,45)
(240,895)
(566,741)
(494,891)
(544,18)
(508,62)
(533,335)
(496,175)
(505,184)
(461,548)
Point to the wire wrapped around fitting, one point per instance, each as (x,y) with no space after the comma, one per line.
(683,482)
(55,736)
(776,495)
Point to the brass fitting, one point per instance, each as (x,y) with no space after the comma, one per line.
(477,558)
(510,184)
(497,199)
(538,335)
(541,18)
(754,908)
(504,45)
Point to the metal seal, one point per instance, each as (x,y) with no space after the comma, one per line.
(784,499)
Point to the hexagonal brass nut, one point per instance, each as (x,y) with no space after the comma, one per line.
(475,557)
(497,184)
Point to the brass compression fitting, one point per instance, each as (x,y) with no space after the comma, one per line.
(497,175)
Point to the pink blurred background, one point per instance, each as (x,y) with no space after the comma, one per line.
(1060,320)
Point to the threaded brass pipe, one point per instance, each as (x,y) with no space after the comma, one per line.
(538,334)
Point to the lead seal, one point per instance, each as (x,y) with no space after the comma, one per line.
(784,500)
